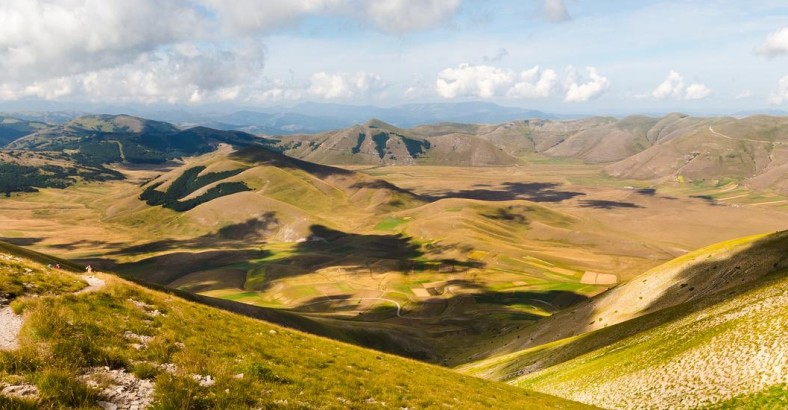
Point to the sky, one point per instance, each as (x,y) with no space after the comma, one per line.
(562,56)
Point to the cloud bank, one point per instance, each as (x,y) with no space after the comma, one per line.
(674,88)
(177,50)
(776,44)
(484,81)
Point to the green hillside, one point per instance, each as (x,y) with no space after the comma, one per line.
(680,351)
(124,344)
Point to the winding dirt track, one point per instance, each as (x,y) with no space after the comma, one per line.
(11,323)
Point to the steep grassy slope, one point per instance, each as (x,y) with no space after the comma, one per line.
(696,275)
(124,344)
(721,347)
(691,332)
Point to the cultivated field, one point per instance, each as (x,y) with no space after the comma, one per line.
(466,245)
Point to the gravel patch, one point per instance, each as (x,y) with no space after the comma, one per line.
(10,324)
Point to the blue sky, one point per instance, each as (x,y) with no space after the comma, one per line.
(572,56)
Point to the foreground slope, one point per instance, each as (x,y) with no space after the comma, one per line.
(721,267)
(722,348)
(702,329)
(76,350)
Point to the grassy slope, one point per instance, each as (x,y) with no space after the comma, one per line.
(66,334)
(732,347)
(702,351)
(727,265)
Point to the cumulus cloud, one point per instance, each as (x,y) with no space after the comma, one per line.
(776,44)
(697,92)
(182,73)
(555,10)
(467,80)
(579,91)
(781,95)
(674,88)
(345,86)
(485,81)
(42,39)
(180,50)
(534,83)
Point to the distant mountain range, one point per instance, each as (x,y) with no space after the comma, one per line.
(675,147)
(306,117)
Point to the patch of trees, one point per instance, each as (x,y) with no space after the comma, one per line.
(188,182)
(24,178)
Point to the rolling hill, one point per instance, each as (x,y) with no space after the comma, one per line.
(378,143)
(118,344)
(13,128)
(708,321)
(102,139)
(41,155)
(751,151)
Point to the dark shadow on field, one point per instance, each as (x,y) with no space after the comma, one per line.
(166,268)
(646,191)
(508,191)
(513,214)
(604,204)
(357,253)
(86,244)
(253,231)
(381,184)
(458,309)
(22,241)
(707,198)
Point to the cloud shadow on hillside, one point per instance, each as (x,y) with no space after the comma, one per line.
(508,191)
(253,230)
(605,204)
(21,241)
(357,253)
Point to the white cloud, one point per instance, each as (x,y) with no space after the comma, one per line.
(484,81)
(181,73)
(174,50)
(589,90)
(781,95)
(398,16)
(473,81)
(345,86)
(776,43)
(697,92)
(534,83)
(674,88)
(555,10)
(42,39)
